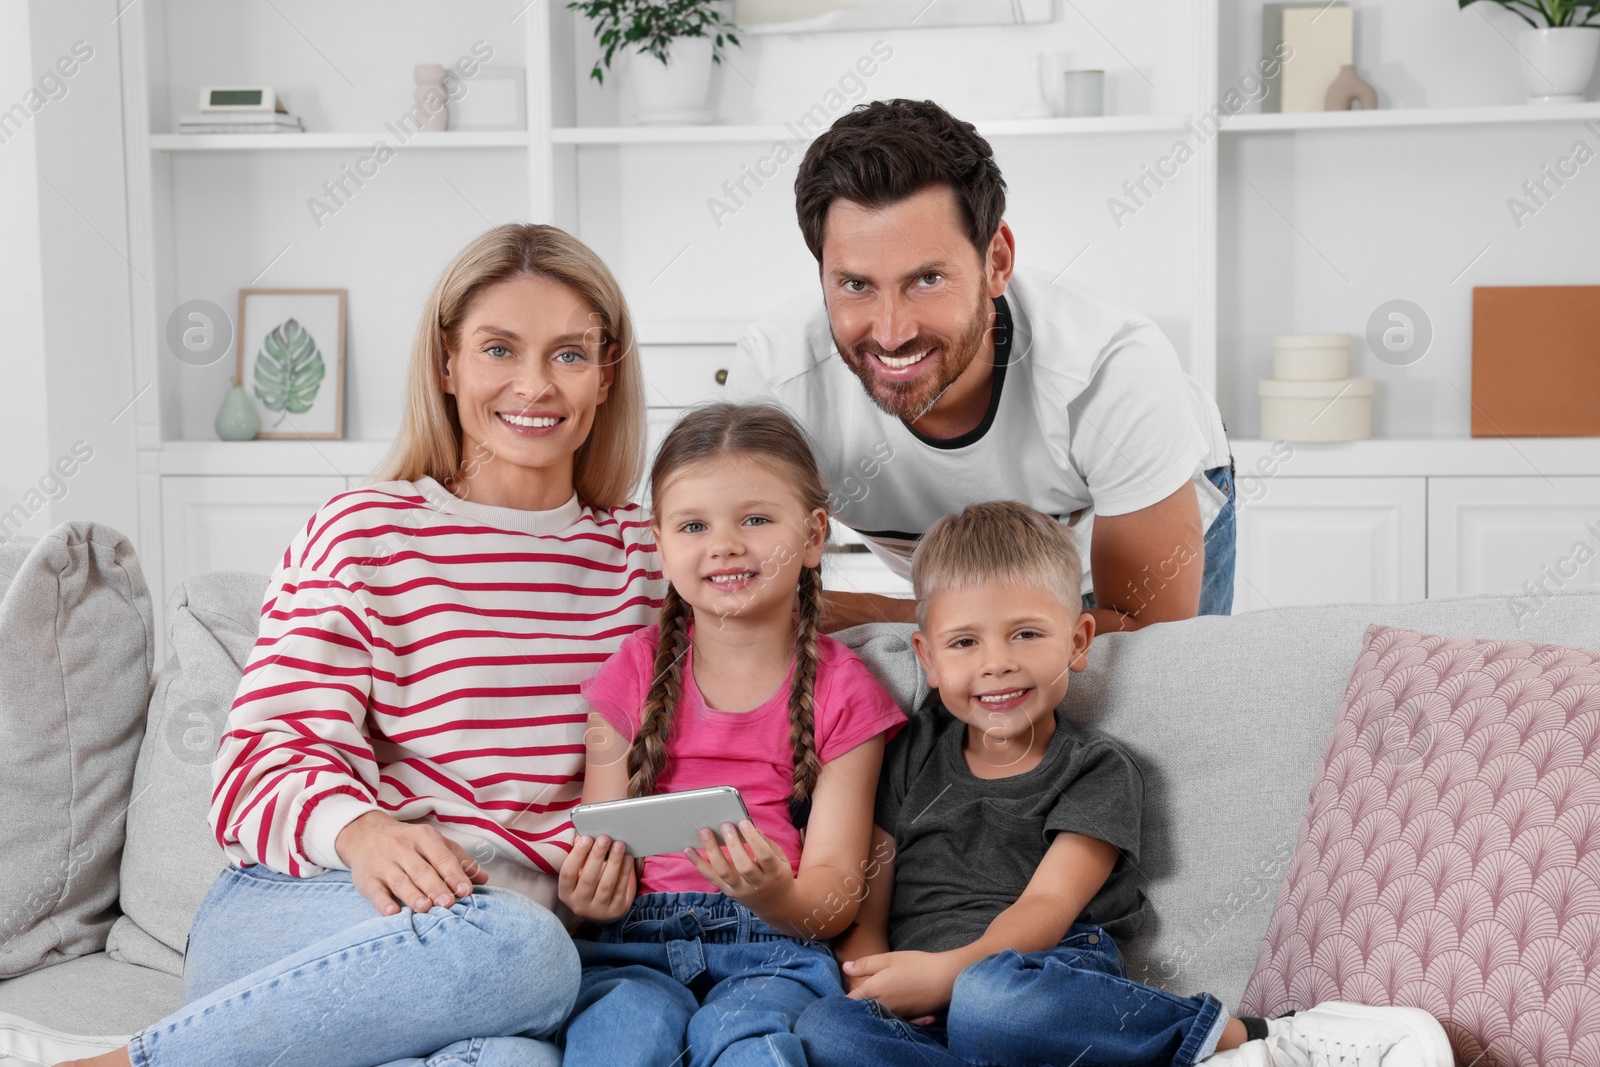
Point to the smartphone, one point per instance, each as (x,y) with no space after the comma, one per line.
(666,822)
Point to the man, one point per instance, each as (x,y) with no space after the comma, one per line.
(936,376)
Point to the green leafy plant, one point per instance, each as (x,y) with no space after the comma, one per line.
(652,26)
(289,370)
(1555,13)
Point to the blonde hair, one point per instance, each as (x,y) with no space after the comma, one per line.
(765,433)
(997,541)
(607,466)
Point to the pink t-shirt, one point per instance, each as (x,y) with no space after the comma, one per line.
(749,750)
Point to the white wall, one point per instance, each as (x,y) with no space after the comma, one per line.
(83,216)
(23,443)
(64,273)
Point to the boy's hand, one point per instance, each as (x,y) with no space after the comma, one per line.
(754,871)
(598,880)
(913,985)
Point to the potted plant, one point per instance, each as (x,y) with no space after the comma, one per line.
(1559,56)
(673,45)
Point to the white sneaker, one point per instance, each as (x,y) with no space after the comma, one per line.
(1337,1034)
(1249,1054)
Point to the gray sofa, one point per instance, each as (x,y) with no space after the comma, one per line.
(105,851)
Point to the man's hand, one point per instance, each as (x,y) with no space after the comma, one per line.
(844,610)
(913,985)
(398,864)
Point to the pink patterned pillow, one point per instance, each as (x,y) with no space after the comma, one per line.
(1450,855)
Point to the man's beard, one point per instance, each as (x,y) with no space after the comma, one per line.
(910,400)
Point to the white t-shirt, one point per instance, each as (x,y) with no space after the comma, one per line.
(1090,413)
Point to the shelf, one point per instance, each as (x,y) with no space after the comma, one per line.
(290,142)
(631,135)
(1488,457)
(1413,116)
(732,134)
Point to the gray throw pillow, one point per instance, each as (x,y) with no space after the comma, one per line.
(172,857)
(76,647)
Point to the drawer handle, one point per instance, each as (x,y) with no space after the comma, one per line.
(722,376)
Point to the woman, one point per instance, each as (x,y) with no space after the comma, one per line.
(394,787)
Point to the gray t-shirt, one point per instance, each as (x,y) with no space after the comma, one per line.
(966,847)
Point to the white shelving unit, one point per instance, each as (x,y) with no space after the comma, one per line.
(1519,114)
(621,135)
(1279,223)
(302,142)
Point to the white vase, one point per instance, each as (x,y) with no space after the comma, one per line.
(673,93)
(1556,64)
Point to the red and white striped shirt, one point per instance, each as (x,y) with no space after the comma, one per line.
(421,655)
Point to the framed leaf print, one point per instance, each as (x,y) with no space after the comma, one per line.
(291,360)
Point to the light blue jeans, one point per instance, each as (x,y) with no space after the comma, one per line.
(695,980)
(304,971)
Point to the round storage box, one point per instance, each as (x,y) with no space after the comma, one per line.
(1316,411)
(1310,357)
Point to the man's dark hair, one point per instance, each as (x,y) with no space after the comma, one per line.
(884,151)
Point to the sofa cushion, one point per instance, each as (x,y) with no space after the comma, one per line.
(1450,856)
(172,857)
(76,630)
(1228,718)
(94,997)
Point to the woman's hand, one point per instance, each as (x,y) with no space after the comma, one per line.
(913,985)
(754,871)
(398,864)
(598,880)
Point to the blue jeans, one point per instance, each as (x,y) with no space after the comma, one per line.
(697,972)
(1222,540)
(1070,1005)
(304,971)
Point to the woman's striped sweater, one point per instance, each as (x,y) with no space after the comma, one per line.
(421,654)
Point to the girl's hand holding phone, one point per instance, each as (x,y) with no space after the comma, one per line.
(598,879)
(753,871)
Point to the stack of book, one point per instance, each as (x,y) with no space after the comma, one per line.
(241,122)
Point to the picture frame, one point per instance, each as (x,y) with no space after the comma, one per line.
(291,361)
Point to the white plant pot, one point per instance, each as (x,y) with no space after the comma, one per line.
(1556,64)
(673,93)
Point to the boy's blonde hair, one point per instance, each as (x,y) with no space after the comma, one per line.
(996,541)
(608,465)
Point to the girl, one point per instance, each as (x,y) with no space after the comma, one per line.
(409,725)
(722,947)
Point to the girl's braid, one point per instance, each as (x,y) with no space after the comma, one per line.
(802,697)
(648,753)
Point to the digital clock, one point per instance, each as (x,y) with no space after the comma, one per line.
(258,98)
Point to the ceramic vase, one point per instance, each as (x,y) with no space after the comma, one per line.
(430,96)
(1347,89)
(237,419)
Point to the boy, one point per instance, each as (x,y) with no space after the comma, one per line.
(1016,838)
